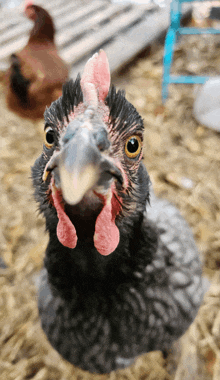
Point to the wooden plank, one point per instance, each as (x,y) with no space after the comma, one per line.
(18,44)
(93,21)
(9,21)
(87,44)
(5,14)
(56,9)
(123,30)
(64,9)
(16,32)
(53,4)
(135,40)
(25,25)
(8,49)
(9,12)
(123,49)
(80,14)
(141,36)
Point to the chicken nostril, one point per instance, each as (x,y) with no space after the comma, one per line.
(102,146)
(102,141)
(70,132)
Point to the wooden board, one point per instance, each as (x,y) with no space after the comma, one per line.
(83,27)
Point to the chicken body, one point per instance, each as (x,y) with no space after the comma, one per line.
(37,73)
(128,281)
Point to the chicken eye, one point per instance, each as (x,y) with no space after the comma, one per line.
(49,137)
(133,146)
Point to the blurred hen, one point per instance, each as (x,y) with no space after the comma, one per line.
(37,72)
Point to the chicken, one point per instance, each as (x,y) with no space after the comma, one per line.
(121,277)
(206,108)
(37,72)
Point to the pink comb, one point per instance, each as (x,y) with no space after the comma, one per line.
(95,80)
(27,3)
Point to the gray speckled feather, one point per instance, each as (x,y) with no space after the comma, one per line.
(149,314)
(176,237)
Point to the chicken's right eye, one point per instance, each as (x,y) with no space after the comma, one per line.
(49,137)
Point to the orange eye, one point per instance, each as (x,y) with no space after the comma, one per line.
(49,137)
(133,146)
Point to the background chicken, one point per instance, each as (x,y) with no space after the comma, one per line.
(117,283)
(37,72)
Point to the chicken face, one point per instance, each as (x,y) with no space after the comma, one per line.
(91,162)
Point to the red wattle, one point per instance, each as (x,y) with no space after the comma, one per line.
(106,238)
(66,231)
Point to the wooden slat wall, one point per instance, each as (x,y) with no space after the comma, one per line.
(94,22)
(80,14)
(94,40)
(83,27)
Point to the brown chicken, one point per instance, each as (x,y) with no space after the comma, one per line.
(37,72)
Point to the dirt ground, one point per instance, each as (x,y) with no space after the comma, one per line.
(183,159)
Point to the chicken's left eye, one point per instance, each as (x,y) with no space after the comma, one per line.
(49,137)
(133,146)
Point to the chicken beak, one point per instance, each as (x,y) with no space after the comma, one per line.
(82,167)
(78,167)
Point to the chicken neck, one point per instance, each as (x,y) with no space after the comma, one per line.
(43,30)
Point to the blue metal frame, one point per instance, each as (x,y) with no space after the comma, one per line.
(172,35)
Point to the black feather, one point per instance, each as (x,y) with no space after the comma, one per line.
(123,115)
(18,82)
(62,107)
